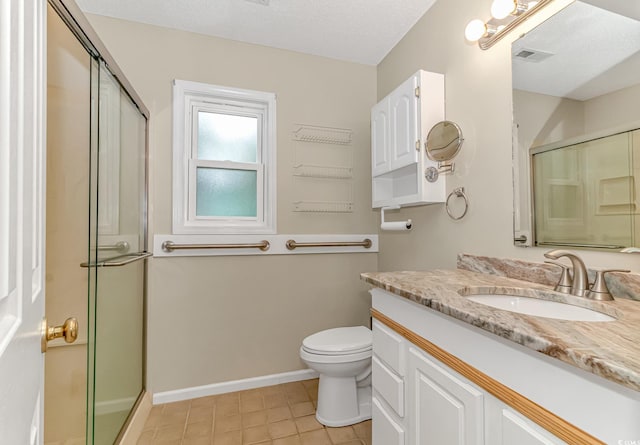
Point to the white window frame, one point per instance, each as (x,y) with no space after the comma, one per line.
(188,99)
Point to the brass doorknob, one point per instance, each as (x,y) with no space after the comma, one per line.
(69,330)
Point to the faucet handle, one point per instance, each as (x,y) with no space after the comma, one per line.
(599,291)
(565,282)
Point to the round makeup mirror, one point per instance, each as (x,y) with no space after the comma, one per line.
(444,141)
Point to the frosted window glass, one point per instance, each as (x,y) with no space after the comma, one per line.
(225,192)
(226,137)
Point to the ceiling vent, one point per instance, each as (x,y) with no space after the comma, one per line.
(260,2)
(530,55)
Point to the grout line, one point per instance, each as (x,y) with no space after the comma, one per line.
(290,392)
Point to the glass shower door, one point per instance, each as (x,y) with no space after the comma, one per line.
(117,291)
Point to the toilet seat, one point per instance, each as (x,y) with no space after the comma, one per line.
(339,341)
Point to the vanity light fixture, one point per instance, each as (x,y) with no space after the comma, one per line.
(506,15)
(501,9)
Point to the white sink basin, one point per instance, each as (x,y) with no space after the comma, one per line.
(539,308)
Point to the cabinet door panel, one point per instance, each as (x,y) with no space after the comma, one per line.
(516,430)
(403,112)
(447,409)
(385,430)
(380,138)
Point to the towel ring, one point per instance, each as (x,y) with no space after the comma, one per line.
(459,193)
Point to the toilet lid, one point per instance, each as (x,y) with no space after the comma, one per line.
(339,341)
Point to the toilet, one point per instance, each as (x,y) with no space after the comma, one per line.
(342,357)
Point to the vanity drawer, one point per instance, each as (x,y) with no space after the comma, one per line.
(388,384)
(385,429)
(389,347)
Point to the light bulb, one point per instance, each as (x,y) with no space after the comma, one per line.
(502,8)
(474,30)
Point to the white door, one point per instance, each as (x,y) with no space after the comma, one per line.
(22,135)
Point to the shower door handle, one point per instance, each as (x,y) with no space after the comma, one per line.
(69,330)
(121,260)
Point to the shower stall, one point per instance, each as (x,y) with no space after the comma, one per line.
(96,235)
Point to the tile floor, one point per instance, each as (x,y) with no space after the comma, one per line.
(275,415)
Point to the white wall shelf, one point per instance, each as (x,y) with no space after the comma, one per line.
(323,206)
(323,171)
(322,135)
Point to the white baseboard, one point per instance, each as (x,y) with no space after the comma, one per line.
(231,386)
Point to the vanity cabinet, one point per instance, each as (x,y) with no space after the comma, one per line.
(399,125)
(432,404)
(433,383)
(417,400)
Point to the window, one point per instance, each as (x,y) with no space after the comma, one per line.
(224,160)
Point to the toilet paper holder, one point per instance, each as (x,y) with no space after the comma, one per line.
(393,225)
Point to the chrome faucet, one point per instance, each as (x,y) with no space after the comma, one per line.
(580,283)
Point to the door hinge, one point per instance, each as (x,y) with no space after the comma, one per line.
(417,91)
(418,145)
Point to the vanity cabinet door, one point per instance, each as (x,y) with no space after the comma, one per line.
(515,429)
(445,409)
(404,134)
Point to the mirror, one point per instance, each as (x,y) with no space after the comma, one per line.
(442,145)
(576,110)
(444,141)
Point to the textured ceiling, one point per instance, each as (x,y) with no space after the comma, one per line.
(590,51)
(361,31)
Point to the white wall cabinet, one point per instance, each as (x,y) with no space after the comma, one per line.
(399,125)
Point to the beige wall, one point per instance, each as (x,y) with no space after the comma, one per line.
(214,319)
(613,109)
(544,119)
(478,97)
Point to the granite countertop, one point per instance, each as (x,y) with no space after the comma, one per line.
(608,349)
